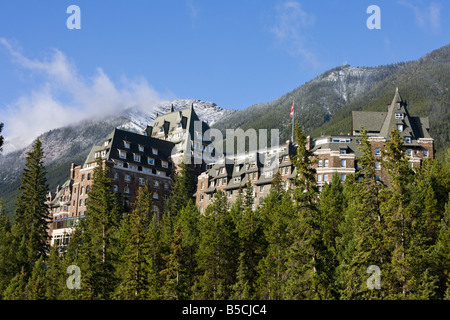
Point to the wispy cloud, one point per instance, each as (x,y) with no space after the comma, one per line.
(192,9)
(426,17)
(291,28)
(64,96)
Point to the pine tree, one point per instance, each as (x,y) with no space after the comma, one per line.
(7,261)
(331,205)
(37,284)
(308,276)
(188,225)
(362,241)
(181,191)
(277,213)
(32,212)
(136,268)
(96,256)
(174,286)
(217,252)
(16,289)
(250,237)
(55,275)
(397,214)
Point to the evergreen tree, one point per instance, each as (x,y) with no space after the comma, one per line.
(188,225)
(331,206)
(7,267)
(37,284)
(55,275)
(217,252)
(136,269)
(174,285)
(181,191)
(362,241)
(32,212)
(16,289)
(250,237)
(277,213)
(397,214)
(96,256)
(308,276)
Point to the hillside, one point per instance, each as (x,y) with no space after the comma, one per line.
(65,145)
(324,104)
(316,102)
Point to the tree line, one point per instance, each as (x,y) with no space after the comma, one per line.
(300,243)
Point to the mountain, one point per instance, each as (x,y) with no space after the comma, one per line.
(324,104)
(72,143)
(316,101)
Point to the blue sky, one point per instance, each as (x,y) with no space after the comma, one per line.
(234,53)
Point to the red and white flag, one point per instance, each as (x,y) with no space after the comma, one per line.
(292,110)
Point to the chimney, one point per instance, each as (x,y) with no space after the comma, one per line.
(72,171)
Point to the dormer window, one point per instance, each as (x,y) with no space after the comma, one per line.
(151,161)
(137,158)
(164,164)
(161,130)
(106,143)
(154,151)
(179,126)
(400,127)
(126,144)
(141,148)
(122,154)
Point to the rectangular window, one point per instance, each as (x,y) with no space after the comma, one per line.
(319,163)
(409,152)
(126,144)
(325,177)
(343,176)
(122,154)
(399,116)
(154,151)
(164,164)
(325,163)
(126,190)
(319,178)
(343,163)
(343,151)
(127,178)
(166,186)
(261,188)
(400,127)
(425,153)
(141,148)
(151,161)
(377,165)
(141,181)
(137,158)
(377,151)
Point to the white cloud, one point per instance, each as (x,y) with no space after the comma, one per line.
(64,96)
(193,9)
(426,17)
(290,29)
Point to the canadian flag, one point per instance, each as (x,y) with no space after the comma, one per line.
(292,110)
